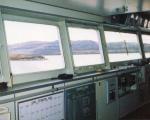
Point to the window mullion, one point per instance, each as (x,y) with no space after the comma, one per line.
(66,47)
(4,54)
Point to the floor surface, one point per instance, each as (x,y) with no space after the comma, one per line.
(142,113)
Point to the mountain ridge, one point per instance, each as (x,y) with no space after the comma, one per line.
(38,48)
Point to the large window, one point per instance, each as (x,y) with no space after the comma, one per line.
(146,42)
(122,46)
(85,44)
(33,47)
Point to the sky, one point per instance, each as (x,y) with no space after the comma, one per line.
(18,32)
(146,39)
(120,37)
(76,34)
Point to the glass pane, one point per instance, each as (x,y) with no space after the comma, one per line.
(85,45)
(116,46)
(122,46)
(132,46)
(146,42)
(33,47)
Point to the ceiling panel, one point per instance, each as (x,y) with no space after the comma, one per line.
(100,7)
(89,6)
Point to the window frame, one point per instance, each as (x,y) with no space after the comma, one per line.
(121,30)
(41,75)
(88,68)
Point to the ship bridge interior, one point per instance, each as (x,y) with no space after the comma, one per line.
(74,59)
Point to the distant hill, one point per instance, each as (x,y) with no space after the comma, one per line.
(82,47)
(52,48)
(120,47)
(37,48)
(147,47)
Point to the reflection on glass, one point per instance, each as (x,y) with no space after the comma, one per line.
(85,44)
(33,47)
(122,46)
(146,42)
